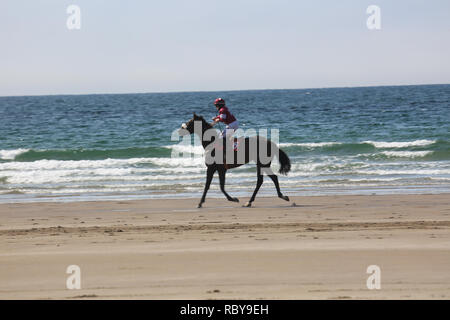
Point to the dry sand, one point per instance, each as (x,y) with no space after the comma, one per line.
(168,249)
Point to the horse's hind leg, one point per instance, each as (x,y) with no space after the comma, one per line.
(222,185)
(258,185)
(277,185)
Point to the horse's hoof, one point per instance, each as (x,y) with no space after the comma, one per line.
(199,205)
(285,198)
(248,205)
(235,199)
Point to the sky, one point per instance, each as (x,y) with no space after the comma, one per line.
(208,45)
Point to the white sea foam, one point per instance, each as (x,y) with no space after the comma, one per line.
(66,178)
(34,178)
(190,149)
(11,154)
(404,144)
(173,162)
(107,163)
(71,164)
(178,175)
(406,172)
(406,154)
(376,144)
(308,144)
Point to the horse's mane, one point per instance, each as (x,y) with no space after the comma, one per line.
(205,123)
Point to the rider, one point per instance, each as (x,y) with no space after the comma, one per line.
(226,117)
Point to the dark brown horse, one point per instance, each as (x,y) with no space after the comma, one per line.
(255,148)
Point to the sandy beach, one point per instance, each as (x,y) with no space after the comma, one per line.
(169,249)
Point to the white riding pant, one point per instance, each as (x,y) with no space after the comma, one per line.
(230,128)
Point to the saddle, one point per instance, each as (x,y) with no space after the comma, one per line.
(235,144)
(235,149)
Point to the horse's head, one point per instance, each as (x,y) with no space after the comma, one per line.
(188,127)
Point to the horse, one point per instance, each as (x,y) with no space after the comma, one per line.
(249,148)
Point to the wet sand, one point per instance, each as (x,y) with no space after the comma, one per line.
(169,249)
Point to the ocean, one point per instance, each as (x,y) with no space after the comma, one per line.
(364,140)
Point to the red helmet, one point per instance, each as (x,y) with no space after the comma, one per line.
(219,102)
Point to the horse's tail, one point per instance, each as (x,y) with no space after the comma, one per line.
(284,162)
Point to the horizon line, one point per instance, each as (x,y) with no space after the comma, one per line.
(227,90)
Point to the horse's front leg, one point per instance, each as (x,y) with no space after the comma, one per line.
(222,172)
(209,176)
